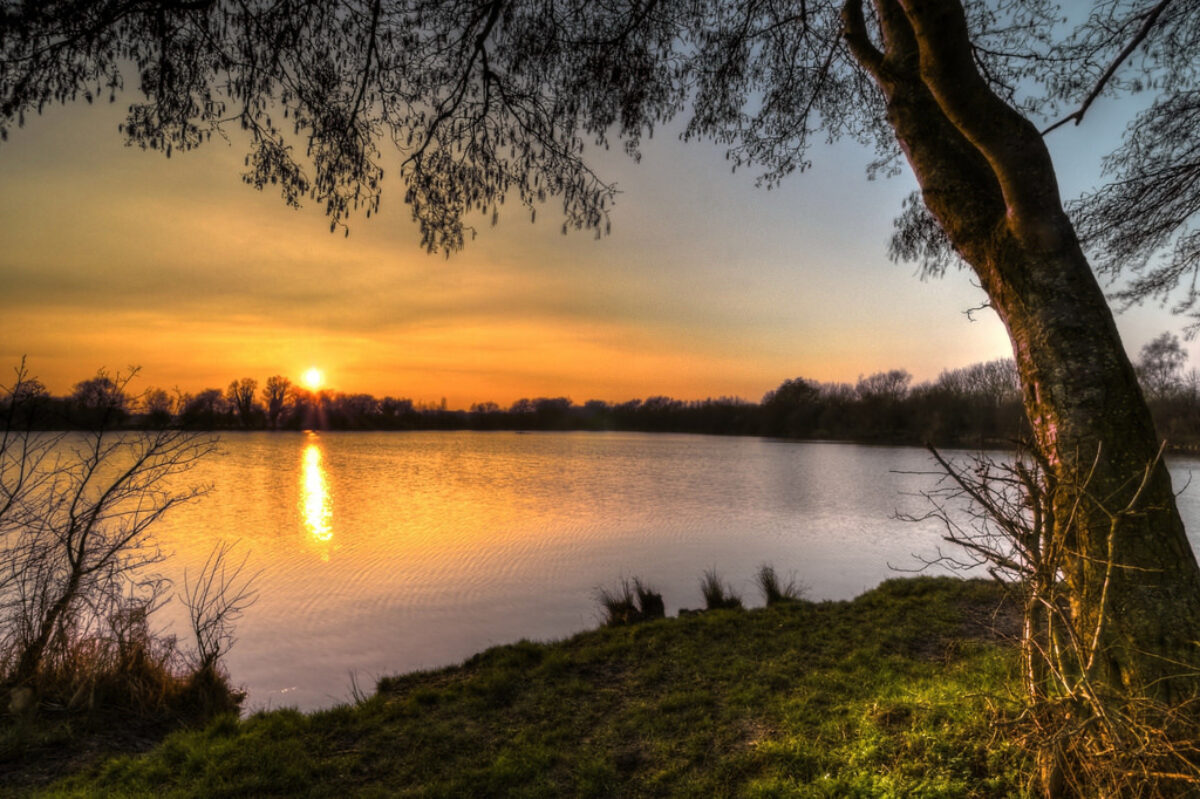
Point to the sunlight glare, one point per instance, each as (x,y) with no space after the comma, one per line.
(313,378)
(315,507)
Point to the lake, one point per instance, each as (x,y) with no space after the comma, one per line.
(382,553)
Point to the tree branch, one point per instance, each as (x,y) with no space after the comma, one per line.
(371,47)
(1147,24)
(1010,143)
(854,33)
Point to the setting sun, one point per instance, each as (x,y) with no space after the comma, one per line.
(313,378)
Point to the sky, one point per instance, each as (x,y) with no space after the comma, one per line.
(707,286)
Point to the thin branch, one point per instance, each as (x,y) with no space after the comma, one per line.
(1147,24)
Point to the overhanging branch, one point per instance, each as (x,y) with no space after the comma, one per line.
(1147,24)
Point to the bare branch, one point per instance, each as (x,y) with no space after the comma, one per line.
(1148,23)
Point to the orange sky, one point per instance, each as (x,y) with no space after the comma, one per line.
(705,287)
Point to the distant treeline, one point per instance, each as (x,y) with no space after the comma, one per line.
(978,405)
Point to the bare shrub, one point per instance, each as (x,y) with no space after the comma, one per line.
(77,550)
(1091,738)
(215,600)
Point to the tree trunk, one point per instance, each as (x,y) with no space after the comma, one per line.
(986,175)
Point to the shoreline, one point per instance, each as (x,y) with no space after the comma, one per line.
(883,690)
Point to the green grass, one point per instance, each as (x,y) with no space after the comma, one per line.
(885,696)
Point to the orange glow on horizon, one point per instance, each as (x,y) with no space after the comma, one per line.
(477,360)
(706,287)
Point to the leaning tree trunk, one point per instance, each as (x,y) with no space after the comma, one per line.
(986,175)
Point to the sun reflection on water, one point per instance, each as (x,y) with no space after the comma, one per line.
(315,506)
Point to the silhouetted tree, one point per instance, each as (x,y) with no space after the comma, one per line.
(552,414)
(355,410)
(596,415)
(207,410)
(395,412)
(793,409)
(24,407)
(275,393)
(1160,366)
(980,403)
(157,405)
(890,386)
(486,416)
(995,381)
(309,409)
(880,395)
(240,396)
(100,400)
(522,412)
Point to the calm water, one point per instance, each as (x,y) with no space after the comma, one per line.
(387,552)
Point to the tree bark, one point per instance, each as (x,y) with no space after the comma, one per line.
(986,175)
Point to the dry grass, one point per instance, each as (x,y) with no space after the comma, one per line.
(632,602)
(774,590)
(717,593)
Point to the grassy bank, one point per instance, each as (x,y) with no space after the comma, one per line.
(888,695)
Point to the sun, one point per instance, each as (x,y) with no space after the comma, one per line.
(313,378)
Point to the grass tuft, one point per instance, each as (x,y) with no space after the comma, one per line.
(650,602)
(717,594)
(633,602)
(619,606)
(775,591)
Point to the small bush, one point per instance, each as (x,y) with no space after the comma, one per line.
(633,602)
(207,693)
(774,591)
(718,595)
(129,671)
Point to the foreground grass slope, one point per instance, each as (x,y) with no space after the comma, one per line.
(892,694)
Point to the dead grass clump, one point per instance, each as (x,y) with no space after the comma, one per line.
(717,594)
(774,590)
(633,602)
